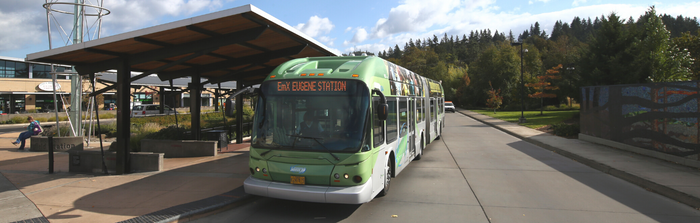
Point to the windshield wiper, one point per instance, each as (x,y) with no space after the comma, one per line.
(263,154)
(315,139)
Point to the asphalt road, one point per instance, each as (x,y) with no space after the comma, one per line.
(479,174)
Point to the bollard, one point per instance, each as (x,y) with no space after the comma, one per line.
(50,154)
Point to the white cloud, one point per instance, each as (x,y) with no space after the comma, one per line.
(578,2)
(129,15)
(406,21)
(348,29)
(21,28)
(360,36)
(315,26)
(327,40)
(419,15)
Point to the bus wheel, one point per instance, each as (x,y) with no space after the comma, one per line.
(387,180)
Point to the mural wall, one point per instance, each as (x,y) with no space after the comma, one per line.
(662,116)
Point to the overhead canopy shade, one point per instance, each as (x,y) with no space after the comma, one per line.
(242,44)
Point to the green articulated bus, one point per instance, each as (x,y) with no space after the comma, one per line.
(337,129)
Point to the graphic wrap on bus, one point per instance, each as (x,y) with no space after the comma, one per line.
(337,129)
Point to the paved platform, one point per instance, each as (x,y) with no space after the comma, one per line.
(192,187)
(28,193)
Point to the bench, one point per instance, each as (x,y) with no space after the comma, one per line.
(91,161)
(179,148)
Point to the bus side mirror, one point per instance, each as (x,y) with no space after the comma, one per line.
(383,107)
(382,111)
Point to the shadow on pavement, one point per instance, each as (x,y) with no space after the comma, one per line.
(619,192)
(165,189)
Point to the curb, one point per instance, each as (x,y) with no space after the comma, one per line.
(639,181)
(196,209)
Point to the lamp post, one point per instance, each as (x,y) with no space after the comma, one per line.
(522,84)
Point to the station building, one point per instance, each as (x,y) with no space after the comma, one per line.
(26,87)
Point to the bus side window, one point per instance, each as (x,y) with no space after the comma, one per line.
(377,125)
(403,116)
(391,121)
(432,109)
(419,107)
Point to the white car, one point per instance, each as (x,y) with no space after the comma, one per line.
(149,110)
(449,106)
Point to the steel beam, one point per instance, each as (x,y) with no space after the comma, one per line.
(123,117)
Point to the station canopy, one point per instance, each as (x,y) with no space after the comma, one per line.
(240,44)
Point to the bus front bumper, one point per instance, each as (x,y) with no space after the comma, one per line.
(321,194)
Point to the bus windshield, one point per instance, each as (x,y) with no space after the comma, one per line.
(311,115)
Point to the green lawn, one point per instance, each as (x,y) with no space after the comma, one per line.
(534,119)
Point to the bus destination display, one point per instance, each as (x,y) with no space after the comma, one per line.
(312,85)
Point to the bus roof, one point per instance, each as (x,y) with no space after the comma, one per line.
(382,74)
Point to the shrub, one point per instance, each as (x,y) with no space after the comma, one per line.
(109,129)
(19,119)
(41,120)
(171,132)
(562,129)
(52,131)
(107,115)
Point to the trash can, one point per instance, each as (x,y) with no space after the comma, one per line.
(220,136)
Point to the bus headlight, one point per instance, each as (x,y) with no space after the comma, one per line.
(264,170)
(336,175)
(257,169)
(252,172)
(346,176)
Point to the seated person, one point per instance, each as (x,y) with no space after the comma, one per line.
(309,127)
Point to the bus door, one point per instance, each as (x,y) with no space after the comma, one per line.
(434,107)
(427,114)
(412,125)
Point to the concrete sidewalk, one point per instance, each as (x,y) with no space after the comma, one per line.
(187,186)
(678,182)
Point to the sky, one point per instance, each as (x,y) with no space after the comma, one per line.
(343,26)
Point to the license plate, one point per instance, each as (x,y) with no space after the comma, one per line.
(298,180)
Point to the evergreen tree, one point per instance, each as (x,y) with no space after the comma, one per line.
(608,59)
(397,52)
(511,38)
(535,31)
(557,30)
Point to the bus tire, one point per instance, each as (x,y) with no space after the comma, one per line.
(387,180)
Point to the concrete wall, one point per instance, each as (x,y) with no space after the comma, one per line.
(660,117)
(179,148)
(91,161)
(60,144)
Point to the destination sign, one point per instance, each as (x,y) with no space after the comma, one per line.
(312,85)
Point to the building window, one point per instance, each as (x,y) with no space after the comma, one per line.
(144,98)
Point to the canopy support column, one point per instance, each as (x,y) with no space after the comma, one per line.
(196,105)
(239,114)
(123,116)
